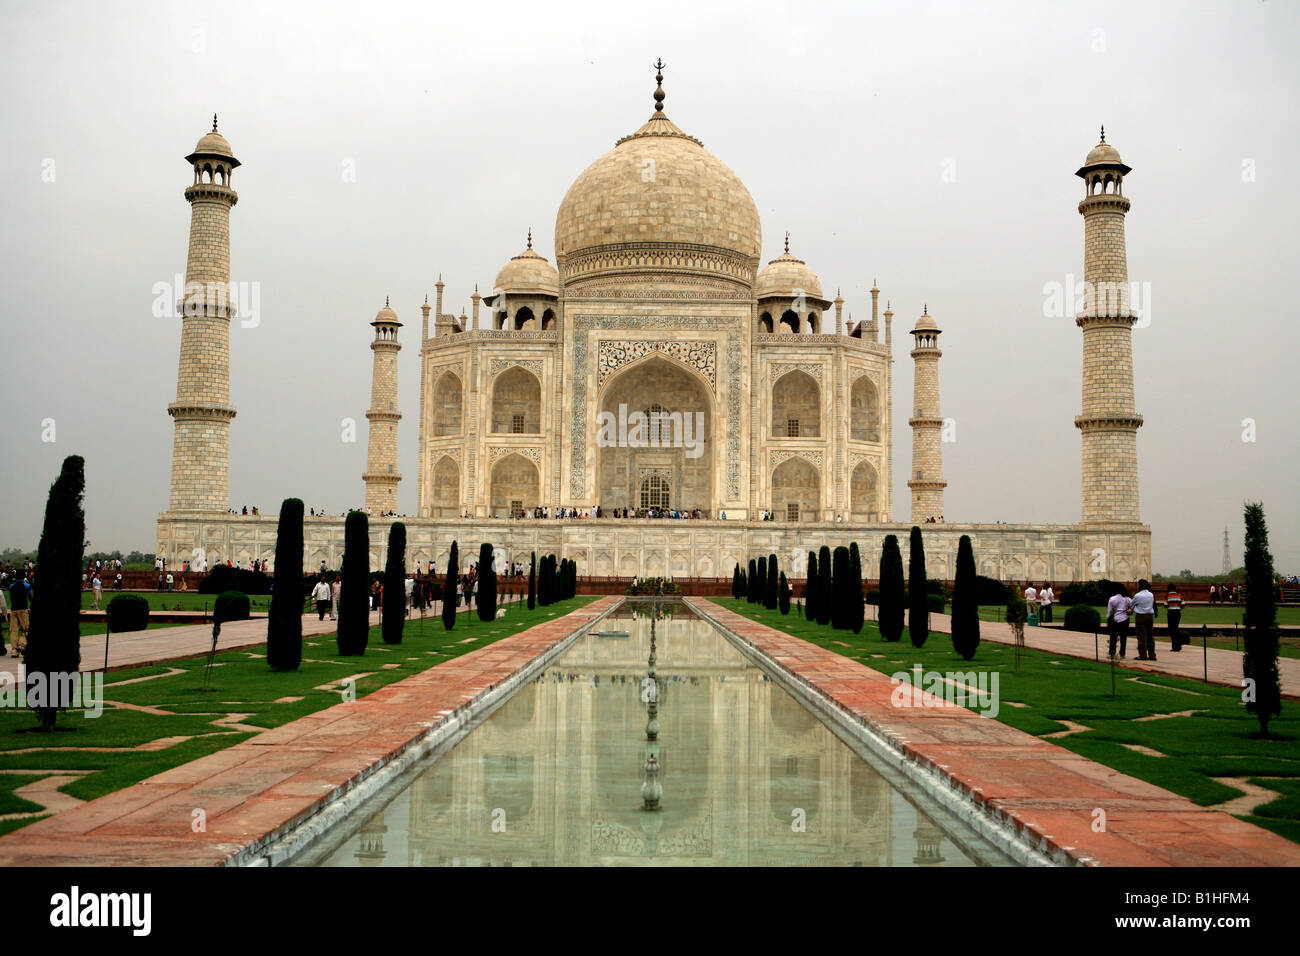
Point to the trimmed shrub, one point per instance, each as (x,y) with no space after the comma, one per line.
(53,640)
(354,580)
(1095,593)
(965,606)
(532,580)
(751,582)
(1081,617)
(841,607)
(1259,662)
(394,601)
(449,589)
(127,612)
(284,622)
(918,607)
(890,595)
(990,591)
(487,584)
(825,586)
(735,581)
(230,606)
(771,594)
(858,610)
(810,589)
(783,598)
(935,604)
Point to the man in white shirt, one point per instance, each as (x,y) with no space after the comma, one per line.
(410,592)
(1144,615)
(1031,598)
(321,594)
(1117,611)
(1045,598)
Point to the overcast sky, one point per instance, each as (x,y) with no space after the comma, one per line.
(930,145)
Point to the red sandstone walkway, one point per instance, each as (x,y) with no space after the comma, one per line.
(256,788)
(1038,786)
(1224,667)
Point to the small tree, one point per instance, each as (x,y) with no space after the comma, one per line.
(857,609)
(810,589)
(841,607)
(354,581)
(532,580)
(735,581)
(918,611)
(783,598)
(284,621)
(1259,663)
(965,609)
(395,585)
(487,584)
(825,586)
(891,590)
(54,637)
(771,593)
(449,588)
(760,590)
(1016,616)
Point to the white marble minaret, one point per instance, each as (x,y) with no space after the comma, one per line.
(381,475)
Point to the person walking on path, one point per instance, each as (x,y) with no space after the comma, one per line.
(1045,598)
(98,584)
(19,595)
(321,592)
(1117,612)
(1144,615)
(1031,601)
(336,587)
(1174,607)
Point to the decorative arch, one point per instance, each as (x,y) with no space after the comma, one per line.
(765,322)
(864,410)
(864,493)
(447,400)
(446,488)
(517,402)
(515,484)
(796,406)
(796,490)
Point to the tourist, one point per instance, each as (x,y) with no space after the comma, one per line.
(336,587)
(98,586)
(1144,615)
(170,580)
(1031,598)
(19,595)
(1174,607)
(1212,593)
(321,594)
(1117,611)
(1045,598)
(410,591)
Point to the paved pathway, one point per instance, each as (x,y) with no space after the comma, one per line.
(1045,791)
(1223,666)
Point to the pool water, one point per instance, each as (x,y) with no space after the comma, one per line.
(554,777)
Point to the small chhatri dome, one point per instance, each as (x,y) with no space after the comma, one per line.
(214,145)
(1104,155)
(526,274)
(925,323)
(785,275)
(386,316)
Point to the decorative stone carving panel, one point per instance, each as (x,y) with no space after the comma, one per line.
(812,368)
(812,457)
(497,366)
(612,354)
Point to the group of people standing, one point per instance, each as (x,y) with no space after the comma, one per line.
(1141,609)
(1044,598)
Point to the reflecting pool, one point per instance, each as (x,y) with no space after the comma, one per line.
(556,775)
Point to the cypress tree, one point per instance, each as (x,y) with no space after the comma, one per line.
(783,599)
(53,654)
(891,590)
(449,589)
(841,606)
(751,589)
(918,611)
(744,584)
(532,581)
(965,606)
(1259,663)
(810,589)
(487,584)
(354,592)
(857,612)
(771,595)
(760,596)
(284,622)
(825,586)
(735,581)
(394,601)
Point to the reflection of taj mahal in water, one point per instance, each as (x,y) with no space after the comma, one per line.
(750,776)
(657,311)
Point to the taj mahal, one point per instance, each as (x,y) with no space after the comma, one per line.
(658,367)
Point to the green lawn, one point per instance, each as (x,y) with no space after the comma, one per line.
(174,600)
(1219,740)
(241,684)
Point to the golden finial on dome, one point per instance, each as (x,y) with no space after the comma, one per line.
(214,122)
(659,90)
(385,302)
(530,237)
(1103,133)
(787,242)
